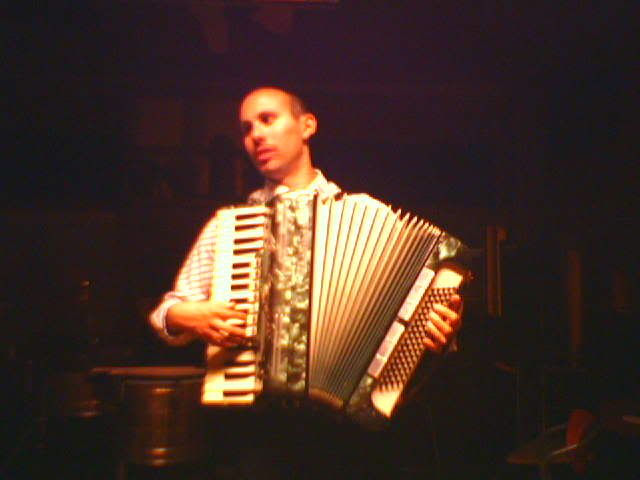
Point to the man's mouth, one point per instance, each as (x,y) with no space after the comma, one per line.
(264,154)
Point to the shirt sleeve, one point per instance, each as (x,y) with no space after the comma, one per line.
(193,283)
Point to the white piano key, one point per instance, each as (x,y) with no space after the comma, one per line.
(245,356)
(239,385)
(250,233)
(254,245)
(236,322)
(241,370)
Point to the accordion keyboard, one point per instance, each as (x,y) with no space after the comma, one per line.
(231,377)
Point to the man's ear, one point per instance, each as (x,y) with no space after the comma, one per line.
(309,125)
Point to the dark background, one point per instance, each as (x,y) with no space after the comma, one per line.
(474,114)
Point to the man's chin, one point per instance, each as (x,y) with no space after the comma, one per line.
(270,172)
(273,177)
(264,167)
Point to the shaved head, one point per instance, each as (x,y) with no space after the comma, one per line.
(276,129)
(296,105)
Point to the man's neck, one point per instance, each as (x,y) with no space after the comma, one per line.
(300,179)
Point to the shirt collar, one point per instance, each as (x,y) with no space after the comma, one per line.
(319,184)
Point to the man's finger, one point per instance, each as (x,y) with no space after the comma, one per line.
(440,324)
(227,313)
(222,339)
(437,335)
(432,346)
(455,302)
(228,329)
(445,312)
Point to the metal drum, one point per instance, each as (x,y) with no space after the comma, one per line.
(160,415)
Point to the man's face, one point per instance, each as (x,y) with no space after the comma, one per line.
(273,137)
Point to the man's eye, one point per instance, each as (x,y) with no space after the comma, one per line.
(267,118)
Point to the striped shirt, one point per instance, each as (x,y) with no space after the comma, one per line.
(193,282)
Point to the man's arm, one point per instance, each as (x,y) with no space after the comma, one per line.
(186,312)
(213,322)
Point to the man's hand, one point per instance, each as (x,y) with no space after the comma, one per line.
(217,323)
(444,323)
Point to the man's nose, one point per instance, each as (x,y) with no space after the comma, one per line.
(257,133)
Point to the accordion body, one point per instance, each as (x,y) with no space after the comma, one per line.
(337,294)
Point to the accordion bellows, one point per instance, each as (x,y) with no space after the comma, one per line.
(337,294)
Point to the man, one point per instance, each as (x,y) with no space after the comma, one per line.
(276,129)
(290,443)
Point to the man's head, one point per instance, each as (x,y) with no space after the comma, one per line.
(276,128)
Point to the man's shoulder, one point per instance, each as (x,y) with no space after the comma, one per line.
(366,199)
(330,190)
(208,231)
(257,197)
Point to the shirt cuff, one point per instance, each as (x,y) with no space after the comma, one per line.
(158,319)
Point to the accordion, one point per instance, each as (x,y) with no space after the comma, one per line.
(337,294)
